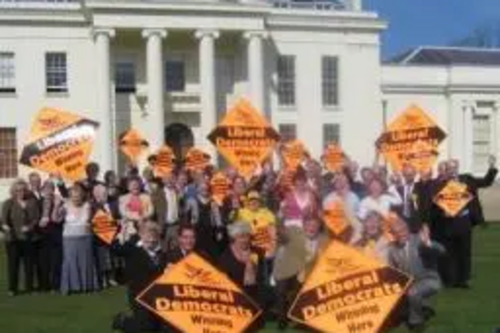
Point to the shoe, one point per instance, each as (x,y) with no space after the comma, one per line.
(428,312)
(462,285)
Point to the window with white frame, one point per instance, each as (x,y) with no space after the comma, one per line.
(481,141)
(175,75)
(329,80)
(8,153)
(125,77)
(56,72)
(287,132)
(7,73)
(286,80)
(331,134)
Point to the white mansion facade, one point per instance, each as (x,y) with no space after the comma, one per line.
(170,68)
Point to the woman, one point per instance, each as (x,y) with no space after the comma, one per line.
(204,214)
(373,242)
(78,269)
(380,199)
(20,215)
(300,203)
(106,264)
(135,207)
(50,231)
(235,200)
(240,262)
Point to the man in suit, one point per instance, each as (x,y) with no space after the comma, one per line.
(166,206)
(186,244)
(145,261)
(408,191)
(457,230)
(416,255)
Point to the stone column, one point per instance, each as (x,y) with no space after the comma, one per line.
(156,86)
(106,137)
(255,61)
(207,73)
(468,147)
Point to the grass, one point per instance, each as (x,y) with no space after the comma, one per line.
(459,311)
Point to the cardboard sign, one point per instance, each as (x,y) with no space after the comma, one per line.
(244,138)
(294,153)
(453,198)
(348,292)
(133,145)
(104,226)
(220,186)
(60,142)
(413,137)
(334,158)
(335,217)
(164,162)
(195,297)
(197,159)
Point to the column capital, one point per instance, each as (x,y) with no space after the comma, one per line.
(109,32)
(207,33)
(468,105)
(256,34)
(146,33)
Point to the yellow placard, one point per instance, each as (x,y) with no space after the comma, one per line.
(60,142)
(196,297)
(133,144)
(413,138)
(164,164)
(220,186)
(104,226)
(334,158)
(453,198)
(348,291)
(335,217)
(197,160)
(294,153)
(244,138)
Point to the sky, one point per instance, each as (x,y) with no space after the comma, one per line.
(430,22)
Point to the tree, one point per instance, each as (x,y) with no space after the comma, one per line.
(487,36)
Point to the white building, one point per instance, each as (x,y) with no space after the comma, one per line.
(170,68)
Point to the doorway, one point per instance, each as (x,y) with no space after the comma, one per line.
(180,138)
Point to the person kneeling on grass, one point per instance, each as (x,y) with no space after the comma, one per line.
(417,256)
(145,261)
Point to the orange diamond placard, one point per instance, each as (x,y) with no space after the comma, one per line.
(196,297)
(333,158)
(133,144)
(348,291)
(220,186)
(196,160)
(164,165)
(244,138)
(453,198)
(294,153)
(413,137)
(104,226)
(60,142)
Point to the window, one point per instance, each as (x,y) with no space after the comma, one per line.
(329,80)
(331,134)
(482,143)
(287,132)
(7,72)
(56,72)
(8,153)
(125,77)
(175,79)
(286,80)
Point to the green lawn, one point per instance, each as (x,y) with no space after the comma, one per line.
(474,311)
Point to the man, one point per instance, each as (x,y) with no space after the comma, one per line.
(145,261)
(456,231)
(408,191)
(35,186)
(92,171)
(166,206)
(416,255)
(186,244)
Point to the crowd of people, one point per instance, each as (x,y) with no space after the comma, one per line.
(266,234)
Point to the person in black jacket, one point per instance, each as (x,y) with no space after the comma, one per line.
(145,261)
(457,230)
(187,244)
